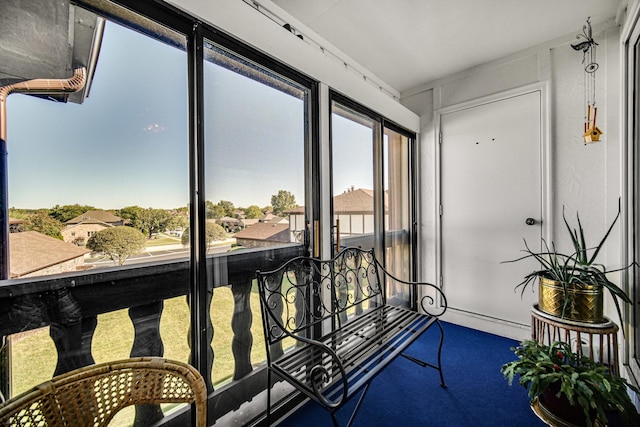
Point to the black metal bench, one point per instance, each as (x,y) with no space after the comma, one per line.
(335,315)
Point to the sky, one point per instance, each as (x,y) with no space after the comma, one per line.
(255,140)
(352,155)
(127,143)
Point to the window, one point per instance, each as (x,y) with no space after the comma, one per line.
(87,162)
(103,157)
(120,157)
(398,208)
(255,133)
(353,136)
(121,154)
(255,138)
(372,186)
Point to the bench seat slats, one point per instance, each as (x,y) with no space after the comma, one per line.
(381,334)
(340,363)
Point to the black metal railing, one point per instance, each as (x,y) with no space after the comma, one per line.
(70,303)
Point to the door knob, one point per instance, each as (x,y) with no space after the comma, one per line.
(530,221)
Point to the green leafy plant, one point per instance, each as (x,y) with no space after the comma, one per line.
(583,382)
(578,268)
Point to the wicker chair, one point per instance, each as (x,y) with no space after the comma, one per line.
(91,396)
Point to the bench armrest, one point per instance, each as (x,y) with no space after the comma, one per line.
(433,301)
(319,375)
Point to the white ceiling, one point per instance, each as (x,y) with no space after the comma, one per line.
(408,43)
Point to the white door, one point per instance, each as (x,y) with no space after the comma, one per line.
(490,186)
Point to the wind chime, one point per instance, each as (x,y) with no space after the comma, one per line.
(588,47)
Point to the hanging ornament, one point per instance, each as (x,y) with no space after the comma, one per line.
(588,47)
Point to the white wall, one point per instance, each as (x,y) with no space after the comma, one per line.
(584,178)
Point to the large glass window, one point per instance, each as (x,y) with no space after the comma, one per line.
(255,132)
(372,188)
(117,158)
(255,139)
(352,174)
(398,204)
(100,189)
(97,184)
(100,193)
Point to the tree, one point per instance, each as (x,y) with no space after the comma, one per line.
(130,213)
(219,210)
(180,216)
(214,232)
(215,212)
(118,243)
(150,221)
(228,208)
(253,212)
(178,220)
(210,208)
(183,210)
(67,212)
(283,202)
(45,224)
(21,213)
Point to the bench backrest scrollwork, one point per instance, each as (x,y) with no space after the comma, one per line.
(305,292)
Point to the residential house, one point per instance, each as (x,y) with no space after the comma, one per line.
(15,225)
(79,229)
(270,217)
(35,254)
(229,224)
(247,222)
(352,214)
(263,234)
(354,210)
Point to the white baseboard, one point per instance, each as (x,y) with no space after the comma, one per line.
(491,325)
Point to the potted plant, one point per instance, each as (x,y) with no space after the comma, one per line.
(569,386)
(571,284)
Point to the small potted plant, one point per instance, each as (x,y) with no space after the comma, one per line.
(569,386)
(571,284)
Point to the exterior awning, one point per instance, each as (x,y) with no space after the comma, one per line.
(44,39)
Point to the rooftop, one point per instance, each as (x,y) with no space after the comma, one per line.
(96,215)
(32,251)
(263,231)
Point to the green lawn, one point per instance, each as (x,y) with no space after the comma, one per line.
(162,240)
(34,355)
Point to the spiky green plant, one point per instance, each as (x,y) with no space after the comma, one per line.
(578,268)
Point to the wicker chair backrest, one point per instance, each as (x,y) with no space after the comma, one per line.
(92,395)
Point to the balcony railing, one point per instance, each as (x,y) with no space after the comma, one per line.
(70,303)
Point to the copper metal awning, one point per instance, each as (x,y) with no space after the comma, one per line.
(44,39)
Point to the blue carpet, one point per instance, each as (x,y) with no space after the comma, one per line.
(407,395)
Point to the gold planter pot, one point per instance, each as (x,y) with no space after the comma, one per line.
(585,302)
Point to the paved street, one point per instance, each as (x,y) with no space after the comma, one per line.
(156,255)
